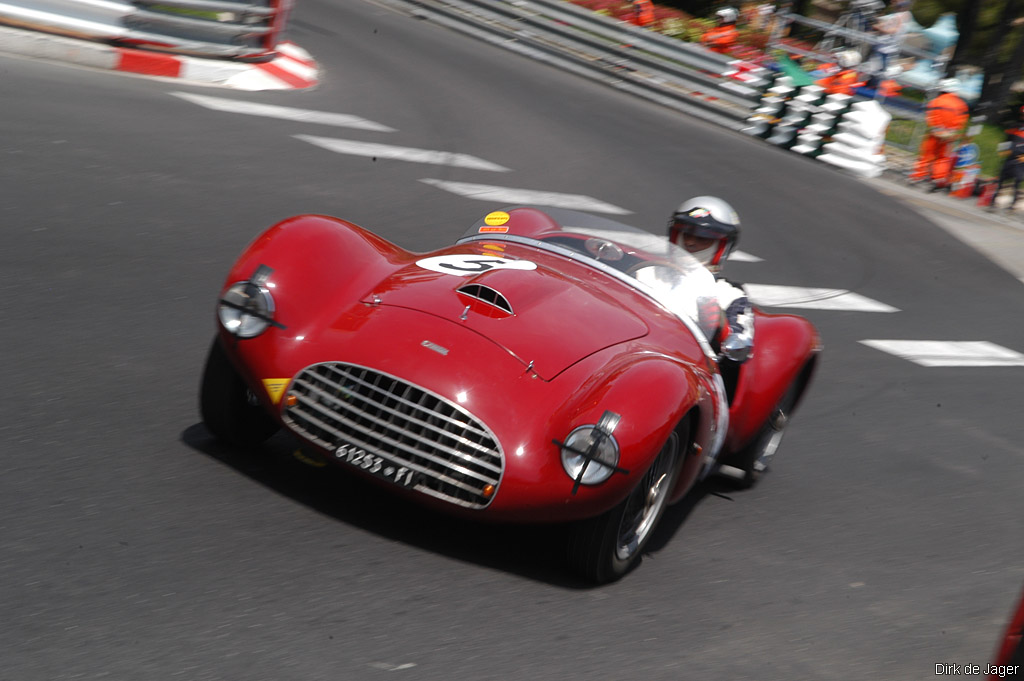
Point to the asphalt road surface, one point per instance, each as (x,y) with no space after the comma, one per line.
(886,540)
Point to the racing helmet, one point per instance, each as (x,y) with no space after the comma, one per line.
(708,228)
(727,15)
(848,58)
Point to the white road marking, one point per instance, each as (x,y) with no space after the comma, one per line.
(389,667)
(371,149)
(282,112)
(743,256)
(813,298)
(292,50)
(950,353)
(508,195)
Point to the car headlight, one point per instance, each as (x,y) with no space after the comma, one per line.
(590,454)
(246,309)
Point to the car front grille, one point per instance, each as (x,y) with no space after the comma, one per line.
(450,454)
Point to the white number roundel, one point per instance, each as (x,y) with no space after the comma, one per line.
(468,264)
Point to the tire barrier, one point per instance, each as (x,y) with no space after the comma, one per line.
(230,29)
(858,146)
(831,128)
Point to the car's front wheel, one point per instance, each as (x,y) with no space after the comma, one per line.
(605,548)
(230,411)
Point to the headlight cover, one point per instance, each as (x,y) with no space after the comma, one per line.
(590,453)
(246,309)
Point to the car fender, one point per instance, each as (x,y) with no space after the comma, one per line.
(652,395)
(785,351)
(317,263)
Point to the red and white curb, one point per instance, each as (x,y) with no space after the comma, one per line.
(292,67)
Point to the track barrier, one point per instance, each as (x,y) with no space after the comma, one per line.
(205,28)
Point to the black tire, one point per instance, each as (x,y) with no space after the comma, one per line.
(605,548)
(229,409)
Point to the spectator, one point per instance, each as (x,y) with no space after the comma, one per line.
(892,28)
(1013,165)
(760,16)
(945,117)
(843,78)
(723,37)
(643,12)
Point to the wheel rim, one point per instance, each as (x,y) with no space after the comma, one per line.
(772,439)
(645,503)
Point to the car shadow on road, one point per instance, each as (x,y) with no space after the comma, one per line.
(677,514)
(532,551)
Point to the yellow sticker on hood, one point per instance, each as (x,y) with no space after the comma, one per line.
(498,217)
(275,388)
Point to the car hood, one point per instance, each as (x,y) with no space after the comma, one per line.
(548,319)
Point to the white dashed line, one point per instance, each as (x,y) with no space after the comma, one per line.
(387,151)
(813,298)
(950,353)
(282,112)
(509,195)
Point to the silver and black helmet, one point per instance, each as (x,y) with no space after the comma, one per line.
(707,227)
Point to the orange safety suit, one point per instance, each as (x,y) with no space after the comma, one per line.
(643,12)
(945,116)
(889,88)
(721,38)
(841,83)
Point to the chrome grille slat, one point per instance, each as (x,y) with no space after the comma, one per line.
(384,439)
(355,440)
(407,402)
(384,425)
(454,455)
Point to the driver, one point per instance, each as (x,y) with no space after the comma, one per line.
(709,228)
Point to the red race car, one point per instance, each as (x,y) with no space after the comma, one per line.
(551,366)
(1009,662)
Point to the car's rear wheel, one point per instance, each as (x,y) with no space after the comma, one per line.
(605,548)
(230,411)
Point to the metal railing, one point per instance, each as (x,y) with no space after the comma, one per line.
(245,29)
(664,69)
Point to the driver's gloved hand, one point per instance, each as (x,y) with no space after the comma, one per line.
(737,347)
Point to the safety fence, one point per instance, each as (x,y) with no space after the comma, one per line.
(208,28)
(821,40)
(730,92)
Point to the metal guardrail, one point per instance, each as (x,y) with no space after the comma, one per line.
(245,29)
(681,75)
(684,76)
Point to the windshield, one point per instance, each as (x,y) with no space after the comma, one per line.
(649,263)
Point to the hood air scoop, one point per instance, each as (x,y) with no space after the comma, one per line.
(488,295)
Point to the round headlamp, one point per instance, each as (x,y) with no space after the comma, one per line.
(246,309)
(589,447)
